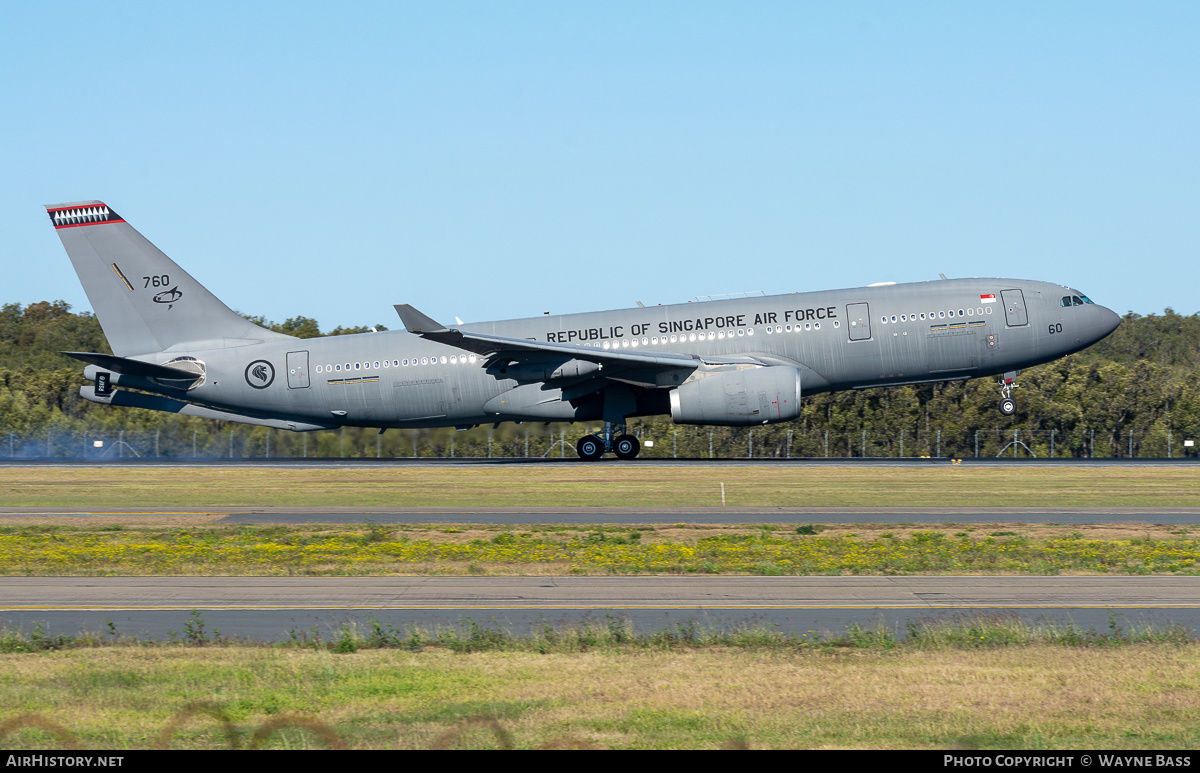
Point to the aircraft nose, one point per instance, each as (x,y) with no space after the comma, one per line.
(1109,320)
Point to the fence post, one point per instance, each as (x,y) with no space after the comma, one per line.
(789,447)
(939,443)
(976,444)
(1093,445)
(710,443)
(121,445)
(902,443)
(156,433)
(826,444)
(864,444)
(750,447)
(194,443)
(1052,444)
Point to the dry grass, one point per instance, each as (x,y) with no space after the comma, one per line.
(749,486)
(1145,696)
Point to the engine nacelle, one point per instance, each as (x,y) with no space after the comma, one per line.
(739,397)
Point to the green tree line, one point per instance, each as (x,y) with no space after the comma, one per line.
(1135,393)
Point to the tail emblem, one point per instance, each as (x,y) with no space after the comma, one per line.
(168,296)
(90,215)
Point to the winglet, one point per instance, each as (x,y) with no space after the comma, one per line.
(416,322)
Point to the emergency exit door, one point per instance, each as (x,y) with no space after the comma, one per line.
(859,318)
(297,365)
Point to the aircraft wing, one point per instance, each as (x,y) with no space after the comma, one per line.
(630,366)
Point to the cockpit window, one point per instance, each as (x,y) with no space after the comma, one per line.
(1074,300)
(1086,299)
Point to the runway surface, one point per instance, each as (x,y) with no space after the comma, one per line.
(46,593)
(274,608)
(572,461)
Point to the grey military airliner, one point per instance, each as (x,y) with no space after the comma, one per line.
(736,362)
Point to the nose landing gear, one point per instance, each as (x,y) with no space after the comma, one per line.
(1008,406)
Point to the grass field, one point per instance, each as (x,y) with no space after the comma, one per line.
(1036,695)
(599,486)
(127,545)
(993,686)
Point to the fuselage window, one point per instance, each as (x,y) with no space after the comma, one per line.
(424,360)
(674,338)
(691,336)
(904,318)
(741,332)
(979,311)
(444,359)
(654,340)
(606,345)
(817,325)
(721,334)
(405,361)
(645,342)
(472,358)
(770,330)
(318,369)
(951,312)
(922,315)
(778,329)
(942,314)
(358,366)
(453,359)
(881,319)
(808,325)
(837,323)
(377,364)
(970,312)
(960,312)
(893,318)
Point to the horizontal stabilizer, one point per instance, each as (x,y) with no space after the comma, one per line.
(128,367)
(416,322)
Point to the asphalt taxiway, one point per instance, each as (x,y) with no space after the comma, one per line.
(276,608)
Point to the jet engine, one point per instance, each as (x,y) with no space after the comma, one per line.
(748,396)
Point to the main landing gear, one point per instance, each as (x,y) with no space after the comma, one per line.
(592,447)
(1008,406)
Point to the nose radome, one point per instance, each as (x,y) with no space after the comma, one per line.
(1109,320)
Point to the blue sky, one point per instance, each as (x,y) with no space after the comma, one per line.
(496,160)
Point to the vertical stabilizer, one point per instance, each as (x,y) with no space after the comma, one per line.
(144,301)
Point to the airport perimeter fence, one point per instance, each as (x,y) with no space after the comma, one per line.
(234,442)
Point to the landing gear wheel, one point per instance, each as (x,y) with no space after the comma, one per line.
(1008,406)
(626,447)
(590,448)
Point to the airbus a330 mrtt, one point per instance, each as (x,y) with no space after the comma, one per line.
(737,362)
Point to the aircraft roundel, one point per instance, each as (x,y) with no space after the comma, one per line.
(260,374)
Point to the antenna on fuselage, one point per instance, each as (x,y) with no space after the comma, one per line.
(943,276)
